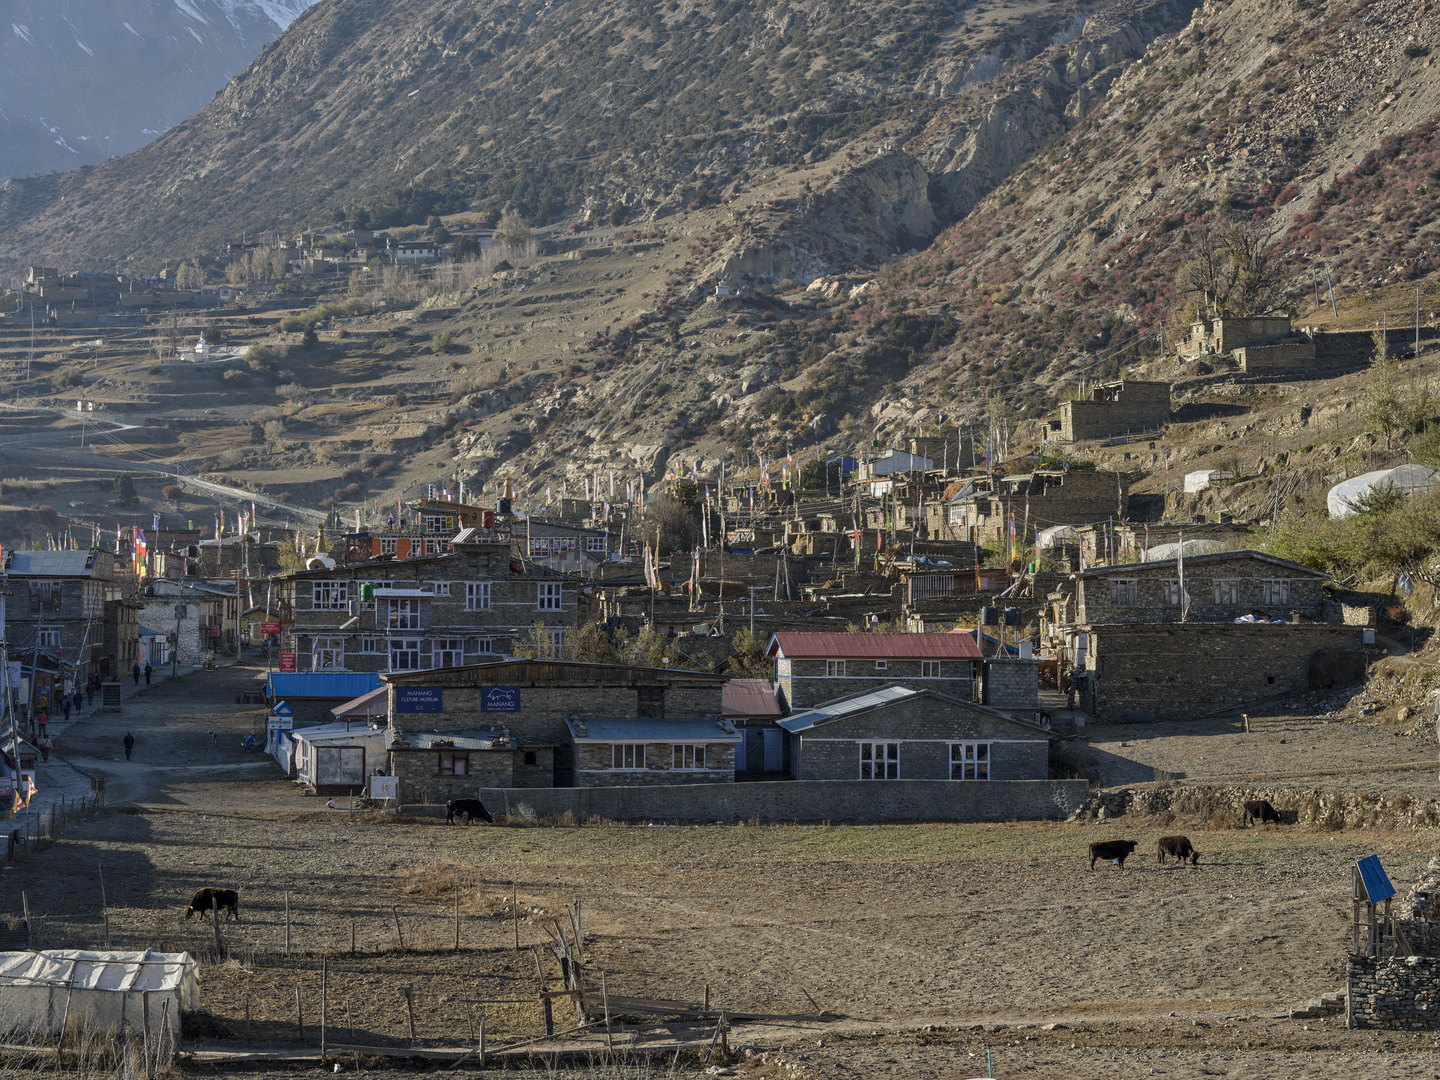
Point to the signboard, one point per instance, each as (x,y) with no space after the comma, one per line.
(282,708)
(269,627)
(384,787)
(418,699)
(7,788)
(287,661)
(500,699)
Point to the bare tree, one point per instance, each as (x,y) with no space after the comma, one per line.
(1237,269)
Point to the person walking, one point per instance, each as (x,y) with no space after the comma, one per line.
(135,671)
(90,691)
(129,744)
(44,745)
(148,670)
(79,699)
(65,698)
(41,719)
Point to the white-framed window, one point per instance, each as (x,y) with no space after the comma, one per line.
(627,755)
(389,545)
(447,652)
(879,761)
(1275,592)
(548,596)
(328,654)
(49,637)
(432,545)
(477,595)
(688,756)
(882,665)
(834,669)
(539,547)
(372,646)
(440,588)
(1170,593)
(405,613)
(480,646)
(595,544)
(1227,590)
(453,764)
(557,638)
(438,523)
(329,595)
(404,654)
(567,543)
(930,669)
(1124,592)
(45,594)
(970,761)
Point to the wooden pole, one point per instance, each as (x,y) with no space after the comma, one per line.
(247,1016)
(324,1003)
(352,937)
(299,1016)
(515,910)
(725,1036)
(104,904)
(29,930)
(164,1036)
(605,997)
(457,919)
(145,1017)
(1246,718)
(707,999)
(409,993)
(549,1012)
(349,1020)
(215,921)
(64,1023)
(287,922)
(399,934)
(482,1040)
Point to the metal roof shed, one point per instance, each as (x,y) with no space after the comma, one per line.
(98,990)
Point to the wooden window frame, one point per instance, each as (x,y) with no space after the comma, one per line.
(456,757)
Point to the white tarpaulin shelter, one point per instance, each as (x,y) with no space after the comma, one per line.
(1409,479)
(1162,552)
(98,990)
(1046,539)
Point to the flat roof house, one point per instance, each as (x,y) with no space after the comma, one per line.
(815,667)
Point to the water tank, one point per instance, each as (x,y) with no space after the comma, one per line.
(367,592)
(487,519)
(989,616)
(503,507)
(1012,616)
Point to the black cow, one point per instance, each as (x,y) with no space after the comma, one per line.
(1118,850)
(471,808)
(214,900)
(1259,810)
(1180,847)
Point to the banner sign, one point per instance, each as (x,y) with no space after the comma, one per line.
(419,699)
(500,699)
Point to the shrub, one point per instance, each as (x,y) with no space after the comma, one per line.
(172,491)
(292,324)
(441,343)
(234,374)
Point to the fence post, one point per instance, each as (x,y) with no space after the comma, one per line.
(324,1003)
(287,923)
(299,1015)
(409,992)
(145,1045)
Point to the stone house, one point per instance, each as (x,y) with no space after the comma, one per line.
(57,614)
(528,703)
(190,610)
(627,753)
(982,511)
(903,733)
(1219,588)
(1127,407)
(569,549)
(436,766)
(415,614)
(121,635)
(753,706)
(815,667)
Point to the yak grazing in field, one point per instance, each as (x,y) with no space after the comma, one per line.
(1259,810)
(1180,847)
(1118,850)
(471,808)
(214,900)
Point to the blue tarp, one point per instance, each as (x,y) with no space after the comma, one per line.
(342,685)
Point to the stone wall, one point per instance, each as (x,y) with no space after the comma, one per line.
(1012,685)
(1116,409)
(1274,357)
(1400,993)
(1201,575)
(1078,497)
(420,779)
(1178,671)
(804,683)
(593,766)
(821,800)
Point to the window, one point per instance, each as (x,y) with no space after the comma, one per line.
(1227,592)
(328,654)
(1275,592)
(1170,593)
(882,665)
(557,638)
(372,646)
(548,596)
(447,652)
(539,547)
(627,755)
(388,545)
(94,600)
(404,654)
(834,669)
(970,761)
(566,543)
(1124,592)
(689,757)
(436,523)
(531,758)
(329,595)
(49,638)
(481,646)
(405,613)
(44,594)
(595,544)
(432,545)
(651,702)
(879,761)
(477,595)
(440,588)
(452,764)
(929,669)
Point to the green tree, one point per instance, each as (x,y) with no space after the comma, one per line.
(513,231)
(671,525)
(123,490)
(291,560)
(748,659)
(309,339)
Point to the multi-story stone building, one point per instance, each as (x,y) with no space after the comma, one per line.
(814,667)
(57,614)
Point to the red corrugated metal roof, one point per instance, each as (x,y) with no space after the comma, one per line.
(749,697)
(842,646)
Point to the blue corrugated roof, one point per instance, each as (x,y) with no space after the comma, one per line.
(1376,881)
(342,685)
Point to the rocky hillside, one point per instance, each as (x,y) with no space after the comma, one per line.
(86,80)
(633,109)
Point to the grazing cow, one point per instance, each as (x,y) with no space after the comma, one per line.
(1178,846)
(214,900)
(1259,810)
(1111,849)
(471,808)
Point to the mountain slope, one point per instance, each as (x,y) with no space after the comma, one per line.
(86,80)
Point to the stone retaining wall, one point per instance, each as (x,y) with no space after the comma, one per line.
(1403,992)
(797,800)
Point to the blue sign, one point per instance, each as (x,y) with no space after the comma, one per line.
(500,699)
(417,699)
(282,708)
